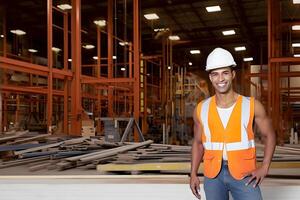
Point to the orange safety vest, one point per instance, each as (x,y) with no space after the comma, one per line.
(238,137)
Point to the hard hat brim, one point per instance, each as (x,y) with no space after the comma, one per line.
(216,67)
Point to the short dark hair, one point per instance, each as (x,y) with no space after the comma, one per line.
(231,68)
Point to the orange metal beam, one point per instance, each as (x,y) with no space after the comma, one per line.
(34,90)
(98,68)
(66,55)
(107,80)
(76,108)
(136,59)
(21,66)
(110,53)
(285,60)
(50,65)
(4,33)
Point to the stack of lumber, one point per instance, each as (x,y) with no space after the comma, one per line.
(43,151)
(47,152)
(176,159)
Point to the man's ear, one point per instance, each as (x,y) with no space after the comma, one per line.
(209,76)
(233,74)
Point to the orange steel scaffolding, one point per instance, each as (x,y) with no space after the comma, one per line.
(127,88)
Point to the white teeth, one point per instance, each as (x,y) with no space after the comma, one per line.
(221,84)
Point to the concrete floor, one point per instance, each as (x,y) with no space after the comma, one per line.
(81,184)
(108,187)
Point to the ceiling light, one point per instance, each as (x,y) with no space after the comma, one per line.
(296,27)
(32,50)
(196,51)
(64,6)
(161,29)
(18,32)
(88,46)
(229,32)
(123,43)
(296,1)
(190,63)
(248,59)
(151,16)
(213,8)
(70,60)
(95,57)
(242,48)
(297,55)
(114,57)
(123,69)
(2,36)
(100,23)
(174,37)
(55,49)
(169,67)
(296,45)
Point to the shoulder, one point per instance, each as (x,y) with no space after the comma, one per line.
(259,109)
(198,108)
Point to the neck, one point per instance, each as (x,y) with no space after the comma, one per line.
(226,100)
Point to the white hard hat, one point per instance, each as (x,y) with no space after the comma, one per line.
(219,58)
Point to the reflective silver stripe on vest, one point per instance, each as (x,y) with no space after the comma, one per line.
(245,116)
(204,118)
(213,145)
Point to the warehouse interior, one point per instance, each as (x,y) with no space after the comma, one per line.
(109,87)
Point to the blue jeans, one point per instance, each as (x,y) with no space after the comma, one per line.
(218,188)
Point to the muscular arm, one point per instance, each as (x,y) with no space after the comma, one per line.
(197,148)
(265,126)
(197,154)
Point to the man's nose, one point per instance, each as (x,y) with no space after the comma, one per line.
(221,78)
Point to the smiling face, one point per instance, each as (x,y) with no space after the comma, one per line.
(221,79)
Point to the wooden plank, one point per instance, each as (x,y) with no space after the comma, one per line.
(115,151)
(23,161)
(120,149)
(17,135)
(38,148)
(30,139)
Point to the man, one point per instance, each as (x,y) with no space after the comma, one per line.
(224,139)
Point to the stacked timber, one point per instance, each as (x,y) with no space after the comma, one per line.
(47,152)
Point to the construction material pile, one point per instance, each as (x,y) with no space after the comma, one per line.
(45,151)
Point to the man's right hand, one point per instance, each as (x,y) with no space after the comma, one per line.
(195,185)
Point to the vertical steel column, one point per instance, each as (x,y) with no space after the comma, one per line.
(17,108)
(270,42)
(130,59)
(136,59)
(274,50)
(66,55)
(50,63)
(66,41)
(110,54)
(76,108)
(163,69)
(98,68)
(145,82)
(5,35)
(5,124)
(98,72)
